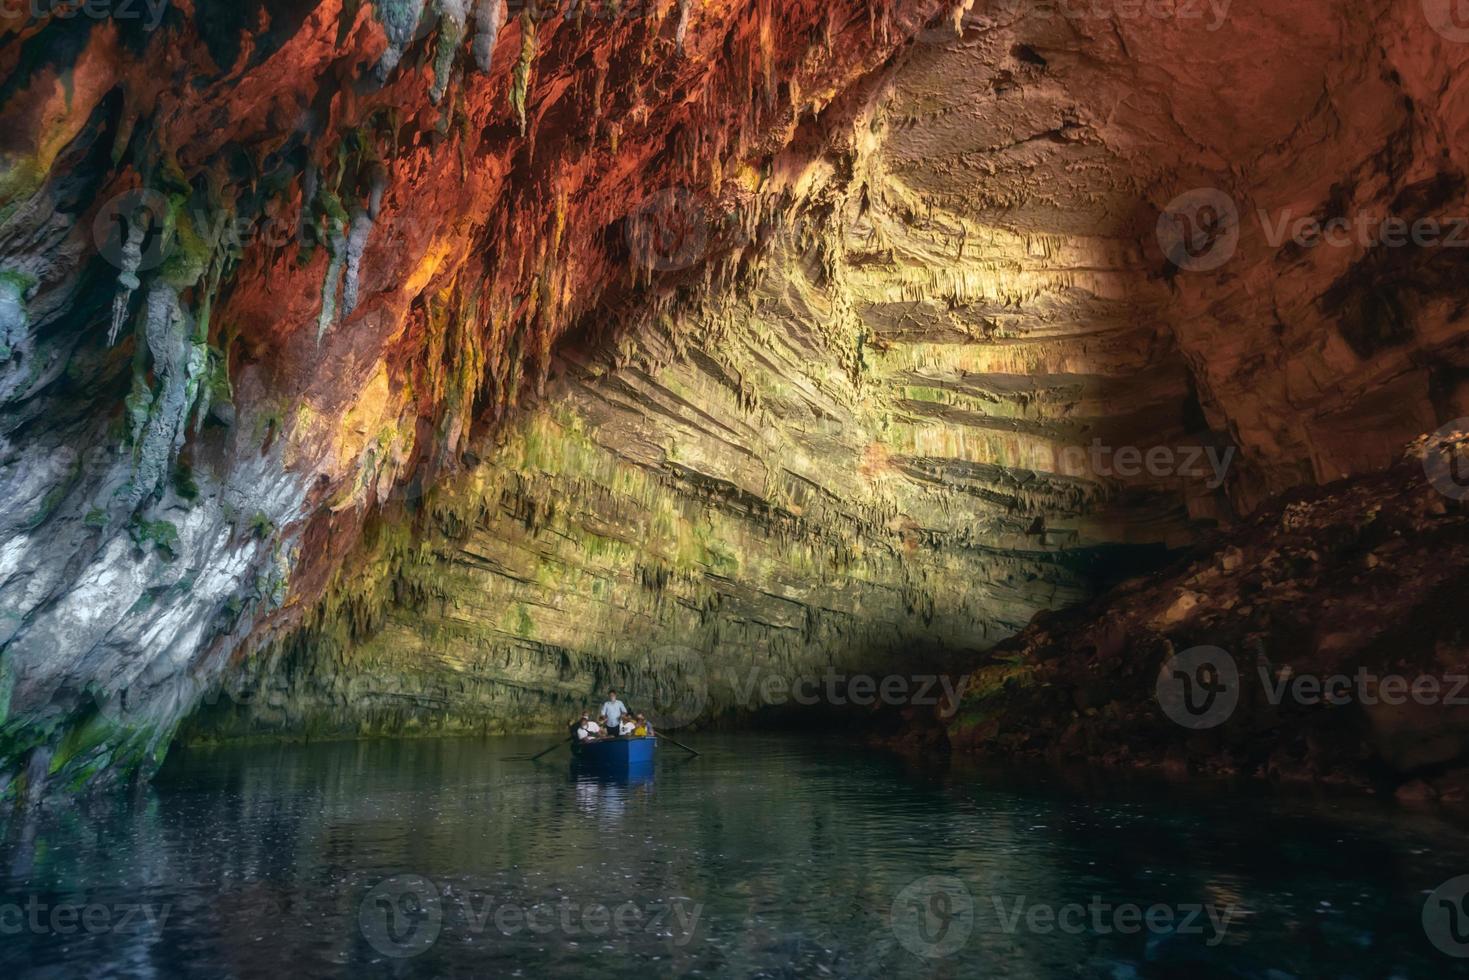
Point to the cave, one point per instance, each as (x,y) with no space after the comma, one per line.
(1009,456)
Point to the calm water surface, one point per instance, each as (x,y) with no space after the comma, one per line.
(768,856)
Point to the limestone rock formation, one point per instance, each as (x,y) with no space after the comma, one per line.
(842,454)
(405,366)
(266,264)
(1338,614)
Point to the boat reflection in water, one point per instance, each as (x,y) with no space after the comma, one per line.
(607,774)
(270,860)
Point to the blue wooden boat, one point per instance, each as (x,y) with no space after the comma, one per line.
(616,756)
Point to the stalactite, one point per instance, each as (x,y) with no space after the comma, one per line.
(376,191)
(489,18)
(310,179)
(337,248)
(139,400)
(453,15)
(177,365)
(520,81)
(210,363)
(681,32)
(132,258)
(357,237)
(595,115)
(400,21)
(356,243)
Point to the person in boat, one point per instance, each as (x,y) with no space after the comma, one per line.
(627,727)
(591,728)
(641,728)
(613,711)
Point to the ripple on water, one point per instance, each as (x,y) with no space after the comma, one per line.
(767,856)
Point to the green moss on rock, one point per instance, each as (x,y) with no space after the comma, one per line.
(160,535)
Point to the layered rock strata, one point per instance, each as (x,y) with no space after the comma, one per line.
(264,265)
(969,306)
(481,354)
(1330,628)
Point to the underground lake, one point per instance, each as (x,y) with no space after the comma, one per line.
(767,855)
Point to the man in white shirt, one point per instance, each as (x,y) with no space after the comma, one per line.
(613,712)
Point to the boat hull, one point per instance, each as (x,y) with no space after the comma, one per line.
(617,756)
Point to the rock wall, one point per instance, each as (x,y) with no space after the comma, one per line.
(266,264)
(868,450)
(754,489)
(570,342)
(1331,625)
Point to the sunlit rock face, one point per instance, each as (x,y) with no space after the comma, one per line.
(849,449)
(1319,362)
(875,446)
(744,495)
(265,264)
(667,344)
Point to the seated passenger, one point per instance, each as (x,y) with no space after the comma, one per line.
(626,728)
(585,729)
(641,728)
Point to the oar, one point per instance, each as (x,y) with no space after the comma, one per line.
(548,751)
(678,743)
(675,742)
